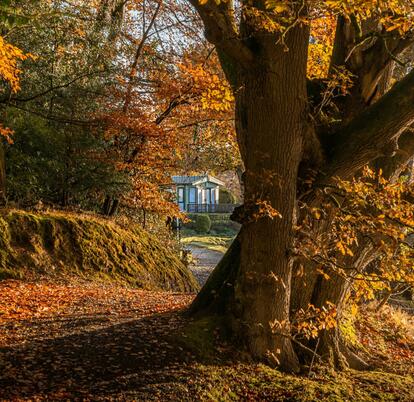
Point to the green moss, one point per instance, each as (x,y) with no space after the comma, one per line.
(200,337)
(347,327)
(4,243)
(261,383)
(90,247)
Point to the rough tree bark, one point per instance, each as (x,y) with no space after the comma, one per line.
(271,122)
(252,285)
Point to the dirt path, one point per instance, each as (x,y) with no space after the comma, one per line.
(90,342)
(204,262)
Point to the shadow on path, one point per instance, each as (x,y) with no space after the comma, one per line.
(93,358)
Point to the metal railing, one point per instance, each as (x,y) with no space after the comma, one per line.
(211,208)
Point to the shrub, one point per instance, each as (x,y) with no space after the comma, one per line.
(202,223)
(217,218)
(226,196)
(226,228)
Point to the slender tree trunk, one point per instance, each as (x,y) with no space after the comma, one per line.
(106,207)
(144,218)
(2,175)
(114,208)
(110,206)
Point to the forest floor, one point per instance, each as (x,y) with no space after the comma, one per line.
(87,341)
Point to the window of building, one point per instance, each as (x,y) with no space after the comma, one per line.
(192,195)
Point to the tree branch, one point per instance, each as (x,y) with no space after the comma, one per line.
(59,119)
(373,133)
(138,52)
(366,52)
(51,89)
(221,31)
(393,167)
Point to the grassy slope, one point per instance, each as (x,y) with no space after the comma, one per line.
(59,244)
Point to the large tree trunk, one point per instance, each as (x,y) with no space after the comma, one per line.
(271,119)
(270,123)
(253,283)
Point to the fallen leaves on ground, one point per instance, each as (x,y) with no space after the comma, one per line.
(387,338)
(86,340)
(22,301)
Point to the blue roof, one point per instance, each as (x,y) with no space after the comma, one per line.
(186,179)
(194,180)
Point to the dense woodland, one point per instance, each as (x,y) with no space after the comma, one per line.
(112,100)
(308,105)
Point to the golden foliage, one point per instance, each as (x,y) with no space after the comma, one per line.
(367,213)
(214,91)
(321,46)
(308,323)
(9,57)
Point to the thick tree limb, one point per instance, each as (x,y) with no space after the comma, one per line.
(366,51)
(374,132)
(380,56)
(393,167)
(221,31)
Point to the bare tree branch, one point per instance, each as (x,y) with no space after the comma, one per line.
(138,52)
(51,89)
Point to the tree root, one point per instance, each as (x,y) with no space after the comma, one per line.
(334,350)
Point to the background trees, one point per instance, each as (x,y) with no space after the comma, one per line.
(112,105)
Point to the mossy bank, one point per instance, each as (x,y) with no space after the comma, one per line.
(55,244)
